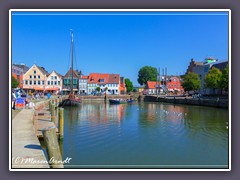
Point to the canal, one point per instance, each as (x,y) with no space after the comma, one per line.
(145,135)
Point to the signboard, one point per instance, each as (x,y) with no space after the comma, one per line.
(20,103)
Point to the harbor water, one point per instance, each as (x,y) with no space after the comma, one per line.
(145,135)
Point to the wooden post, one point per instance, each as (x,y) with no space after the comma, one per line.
(56,102)
(53,151)
(61,123)
(49,104)
(53,113)
(56,116)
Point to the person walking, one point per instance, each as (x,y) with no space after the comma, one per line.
(13,100)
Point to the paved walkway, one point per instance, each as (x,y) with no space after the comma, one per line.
(26,148)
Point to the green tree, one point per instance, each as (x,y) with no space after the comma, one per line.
(135,90)
(213,78)
(147,73)
(224,79)
(98,89)
(129,85)
(15,83)
(191,82)
(106,88)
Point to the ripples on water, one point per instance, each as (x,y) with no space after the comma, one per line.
(145,134)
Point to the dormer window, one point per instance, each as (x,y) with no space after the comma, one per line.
(101,80)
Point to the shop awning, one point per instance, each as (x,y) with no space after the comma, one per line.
(39,89)
(52,89)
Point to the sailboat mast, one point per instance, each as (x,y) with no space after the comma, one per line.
(72,66)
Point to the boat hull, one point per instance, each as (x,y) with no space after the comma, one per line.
(114,101)
(69,102)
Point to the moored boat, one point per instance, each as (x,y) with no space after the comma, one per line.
(71,100)
(120,101)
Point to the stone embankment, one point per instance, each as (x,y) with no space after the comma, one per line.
(214,102)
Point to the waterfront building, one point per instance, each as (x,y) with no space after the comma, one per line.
(97,80)
(18,70)
(173,85)
(113,83)
(202,71)
(150,88)
(54,83)
(83,84)
(192,64)
(122,86)
(67,82)
(109,83)
(34,79)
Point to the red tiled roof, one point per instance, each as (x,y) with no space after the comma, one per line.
(114,78)
(84,77)
(96,77)
(151,85)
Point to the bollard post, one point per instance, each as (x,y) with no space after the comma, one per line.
(56,102)
(49,104)
(56,116)
(61,123)
(53,150)
(53,113)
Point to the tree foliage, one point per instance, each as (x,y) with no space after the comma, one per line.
(191,82)
(135,90)
(213,78)
(147,73)
(15,82)
(224,79)
(98,89)
(129,85)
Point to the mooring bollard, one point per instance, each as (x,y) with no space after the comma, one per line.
(49,104)
(53,113)
(53,150)
(56,102)
(56,115)
(61,123)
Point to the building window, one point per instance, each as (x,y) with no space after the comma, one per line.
(34,77)
(58,82)
(42,82)
(30,77)
(51,82)
(39,82)
(34,82)
(38,76)
(26,82)
(48,82)
(55,77)
(55,82)
(51,77)
(34,71)
(30,82)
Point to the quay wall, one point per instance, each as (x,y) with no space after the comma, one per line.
(102,98)
(222,103)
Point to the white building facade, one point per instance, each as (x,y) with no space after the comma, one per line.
(54,82)
(83,85)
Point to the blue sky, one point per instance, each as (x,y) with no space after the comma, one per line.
(118,42)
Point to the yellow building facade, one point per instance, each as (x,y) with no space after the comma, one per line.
(35,79)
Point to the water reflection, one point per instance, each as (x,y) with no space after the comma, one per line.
(145,133)
(96,113)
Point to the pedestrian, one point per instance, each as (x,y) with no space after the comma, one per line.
(31,105)
(13,100)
